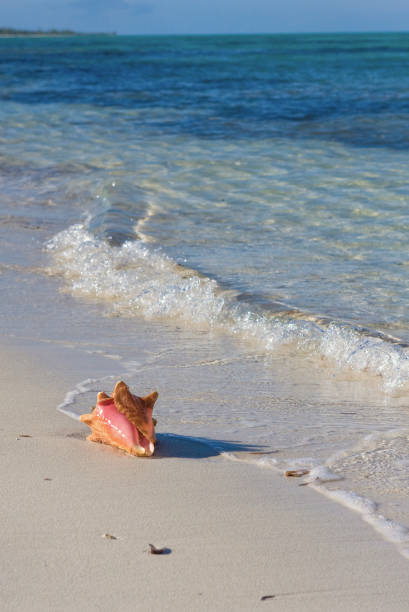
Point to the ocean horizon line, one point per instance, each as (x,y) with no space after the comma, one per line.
(66,32)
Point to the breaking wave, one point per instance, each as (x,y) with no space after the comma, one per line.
(134,279)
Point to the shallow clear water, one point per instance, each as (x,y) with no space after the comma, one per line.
(245,194)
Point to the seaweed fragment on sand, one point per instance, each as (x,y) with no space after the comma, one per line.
(296,473)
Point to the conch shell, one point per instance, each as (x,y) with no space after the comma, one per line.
(123,420)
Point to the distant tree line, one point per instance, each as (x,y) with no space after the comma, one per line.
(52,32)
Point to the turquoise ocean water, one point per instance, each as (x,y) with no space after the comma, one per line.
(253,188)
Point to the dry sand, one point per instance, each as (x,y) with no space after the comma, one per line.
(236,533)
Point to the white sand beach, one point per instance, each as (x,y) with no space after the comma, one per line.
(236,533)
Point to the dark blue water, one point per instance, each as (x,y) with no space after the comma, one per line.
(350,88)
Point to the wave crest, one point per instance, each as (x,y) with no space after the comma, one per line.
(134,279)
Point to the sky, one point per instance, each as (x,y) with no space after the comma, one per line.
(206,16)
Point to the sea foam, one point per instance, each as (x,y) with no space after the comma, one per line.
(135,279)
(392,531)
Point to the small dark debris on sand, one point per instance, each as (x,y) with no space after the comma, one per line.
(265,597)
(159,551)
